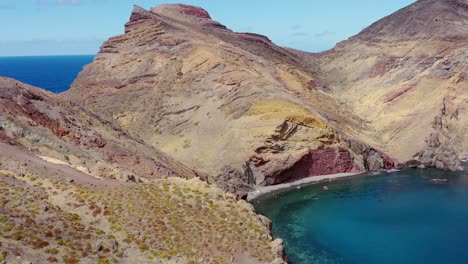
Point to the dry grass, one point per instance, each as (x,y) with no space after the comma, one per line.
(58,221)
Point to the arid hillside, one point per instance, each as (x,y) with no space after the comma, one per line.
(406,77)
(77,189)
(233,106)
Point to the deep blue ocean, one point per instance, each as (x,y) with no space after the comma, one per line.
(407,217)
(53,73)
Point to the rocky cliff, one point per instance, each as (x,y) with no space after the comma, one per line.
(233,106)
(406,77)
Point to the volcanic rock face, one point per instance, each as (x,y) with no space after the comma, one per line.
(234,106)
(406,76)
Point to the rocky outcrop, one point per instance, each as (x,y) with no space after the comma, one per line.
(321,161)
(375,160)
(193,11)
(446,144)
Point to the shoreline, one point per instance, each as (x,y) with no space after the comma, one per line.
(265,190)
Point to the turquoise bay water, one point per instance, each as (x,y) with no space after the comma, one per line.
(400,217)
(53,73)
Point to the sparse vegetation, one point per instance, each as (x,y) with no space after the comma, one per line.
(186,143)
(153,221)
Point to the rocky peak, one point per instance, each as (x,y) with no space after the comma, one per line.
(139,13)
(181,11)
(178,14)
(425,19)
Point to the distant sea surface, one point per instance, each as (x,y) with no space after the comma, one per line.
(53,73)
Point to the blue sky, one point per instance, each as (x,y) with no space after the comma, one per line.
(57,27)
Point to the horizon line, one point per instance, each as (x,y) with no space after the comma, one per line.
(46,55)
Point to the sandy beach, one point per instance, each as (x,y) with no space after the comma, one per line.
(311,180)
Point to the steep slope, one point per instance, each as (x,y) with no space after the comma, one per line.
(61,132)
(406,77)
(77,189)
(423,20)
(232,105)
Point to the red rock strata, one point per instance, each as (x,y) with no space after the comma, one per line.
(194,11)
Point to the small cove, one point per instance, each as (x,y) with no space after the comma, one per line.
(411,216)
